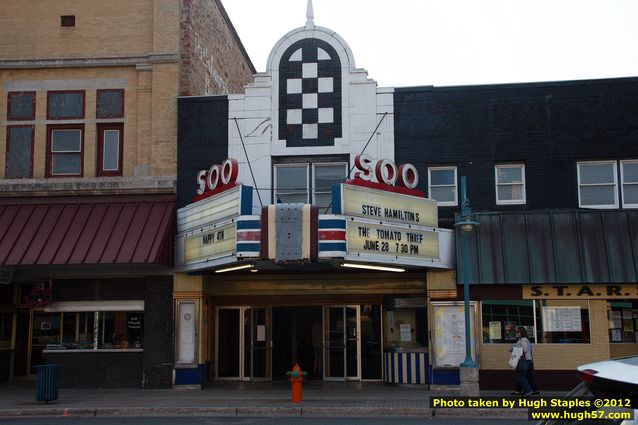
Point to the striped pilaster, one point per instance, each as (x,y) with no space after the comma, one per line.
(248,236)
(332,236)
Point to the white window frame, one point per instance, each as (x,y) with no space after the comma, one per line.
(79,129)
(456,185)
(316,165)
(623,184)
(497,184)
(291,165)
(615,183)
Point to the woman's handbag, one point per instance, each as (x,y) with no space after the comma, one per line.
(517,352)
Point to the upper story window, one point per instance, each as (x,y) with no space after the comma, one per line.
(291,183)
(597,184)
(65,150)
(324,177)
(110,103)
(305,182)
(19,159)
(629,178)
(442,185)
(21,106)
(65,105)
(109,149)
(510,184)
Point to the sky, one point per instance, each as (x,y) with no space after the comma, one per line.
(459,42)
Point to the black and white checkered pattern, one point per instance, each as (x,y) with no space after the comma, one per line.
(310,94)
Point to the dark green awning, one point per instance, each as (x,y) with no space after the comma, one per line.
(552,247)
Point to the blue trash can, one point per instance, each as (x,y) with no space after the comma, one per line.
(47,387)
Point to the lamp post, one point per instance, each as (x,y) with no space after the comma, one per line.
(465,223)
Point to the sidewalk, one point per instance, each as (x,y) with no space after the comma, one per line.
(241,399)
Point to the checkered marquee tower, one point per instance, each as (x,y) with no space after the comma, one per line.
(310,92)
(312,110)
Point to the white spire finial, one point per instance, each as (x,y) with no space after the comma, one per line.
(310,16)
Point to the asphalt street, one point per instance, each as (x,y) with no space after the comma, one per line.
(260,421)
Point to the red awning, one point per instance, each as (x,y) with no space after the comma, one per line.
(87,230)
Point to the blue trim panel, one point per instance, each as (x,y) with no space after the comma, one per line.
(248,247)
(336,199)
(190,376)
(248,225)
(246,206)
(332,246)
(446,377)
(332,224)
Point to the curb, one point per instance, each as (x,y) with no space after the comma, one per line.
(325,411)
(49,411)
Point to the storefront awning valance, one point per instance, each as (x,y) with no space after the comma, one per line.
(573,246)
(87,230)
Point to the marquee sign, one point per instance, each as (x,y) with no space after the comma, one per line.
(214,242)
(372,238)
(207,229)
(387,219)
(358,201)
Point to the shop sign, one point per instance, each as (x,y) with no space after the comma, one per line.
(216,242)
(386,172)
(394,241)
(383,206)
(217,178)
(596,291)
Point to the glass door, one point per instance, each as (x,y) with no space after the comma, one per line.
(341,343)
(244,343)
(261,343)
(352,343)
(229,336)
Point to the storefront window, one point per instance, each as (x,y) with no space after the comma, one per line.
(501,317)
(406,328)
(96,330)
(623,321)
(563,321)
(546,321)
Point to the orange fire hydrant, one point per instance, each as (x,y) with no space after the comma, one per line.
(296,376)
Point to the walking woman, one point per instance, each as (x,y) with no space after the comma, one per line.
(525,363)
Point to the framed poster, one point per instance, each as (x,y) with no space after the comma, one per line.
(495,331)
(449,334)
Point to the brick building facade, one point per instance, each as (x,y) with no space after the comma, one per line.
(88,178)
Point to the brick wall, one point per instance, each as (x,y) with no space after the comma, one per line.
(158,333)
(546,126)
(32,29)
(150,115)
(213,61)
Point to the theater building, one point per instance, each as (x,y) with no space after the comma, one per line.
(88,96)
(283,188)
(279,260)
